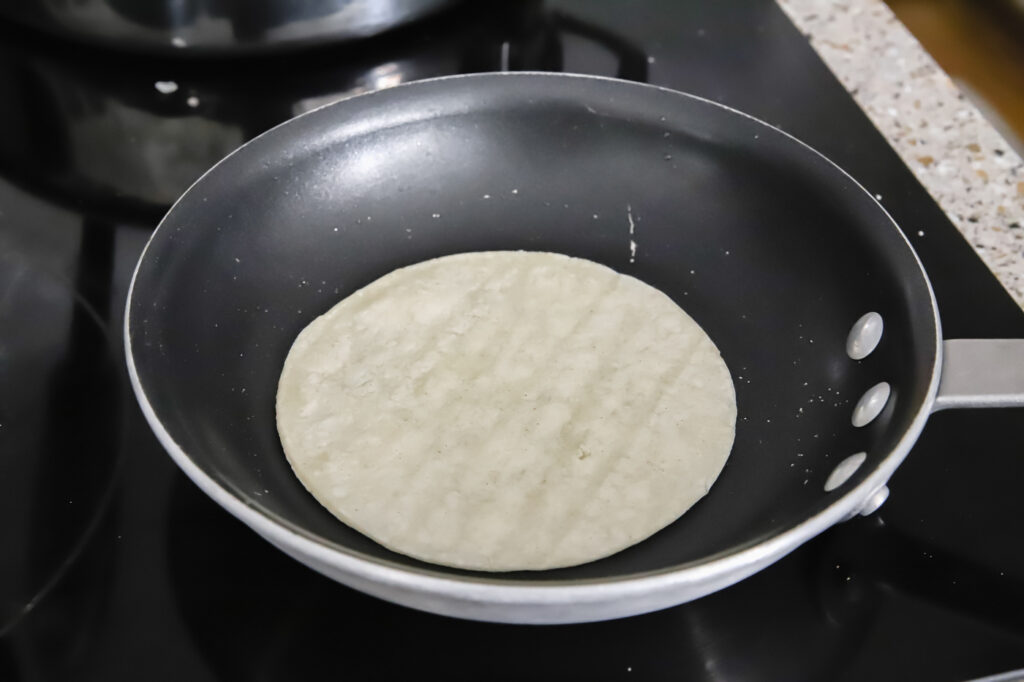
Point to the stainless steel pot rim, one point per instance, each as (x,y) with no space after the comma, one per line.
(208,30)
(715,572)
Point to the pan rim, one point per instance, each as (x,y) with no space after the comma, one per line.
(555,600)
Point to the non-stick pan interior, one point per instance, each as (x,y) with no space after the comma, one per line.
(773,250)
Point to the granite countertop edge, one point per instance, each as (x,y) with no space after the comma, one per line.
(971,171)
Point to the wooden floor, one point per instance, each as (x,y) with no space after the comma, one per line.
(980,43)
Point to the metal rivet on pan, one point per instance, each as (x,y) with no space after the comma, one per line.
(864,336)
(874,501)
(844,470)
(871,404)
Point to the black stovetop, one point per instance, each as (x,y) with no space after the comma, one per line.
(115,567)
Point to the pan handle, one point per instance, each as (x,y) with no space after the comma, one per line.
(981,373)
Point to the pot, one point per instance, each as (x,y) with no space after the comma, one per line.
(217,26)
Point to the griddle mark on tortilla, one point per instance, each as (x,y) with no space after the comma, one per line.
(598,478)
(585,318)
(440,436)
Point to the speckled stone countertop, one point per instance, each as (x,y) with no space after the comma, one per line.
(968,168)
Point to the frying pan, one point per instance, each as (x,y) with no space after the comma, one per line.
(773,249)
